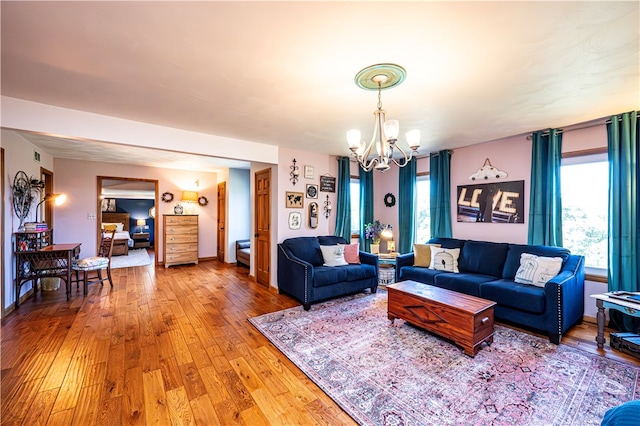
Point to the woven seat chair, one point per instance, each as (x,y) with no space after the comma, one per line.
(95,264)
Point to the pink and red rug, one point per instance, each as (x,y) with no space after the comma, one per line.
(401,375)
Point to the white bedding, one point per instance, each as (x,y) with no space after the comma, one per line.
(124,235)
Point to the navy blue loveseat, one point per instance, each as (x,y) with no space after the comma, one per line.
(301,273)
(487,270)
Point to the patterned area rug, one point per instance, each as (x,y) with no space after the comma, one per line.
(137,257)
(401,375)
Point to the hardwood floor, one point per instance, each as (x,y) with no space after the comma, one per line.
(164,346)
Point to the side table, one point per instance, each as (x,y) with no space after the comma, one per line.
(387,269)
(141,239)
(604,301)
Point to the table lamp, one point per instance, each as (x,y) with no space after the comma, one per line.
(141,223)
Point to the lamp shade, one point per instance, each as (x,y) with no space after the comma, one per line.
(190,196)
(141,222)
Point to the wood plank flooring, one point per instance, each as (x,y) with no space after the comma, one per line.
(166,347)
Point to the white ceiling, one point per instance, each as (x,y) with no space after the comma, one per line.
(282,73)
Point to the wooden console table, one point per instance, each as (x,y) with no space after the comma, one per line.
(50,261)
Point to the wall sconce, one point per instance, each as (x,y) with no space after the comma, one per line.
(140,223)
(295,172)
(190,198)
(327,208)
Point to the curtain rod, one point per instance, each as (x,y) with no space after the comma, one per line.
(580,126)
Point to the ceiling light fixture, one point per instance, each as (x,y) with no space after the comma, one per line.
(385,132)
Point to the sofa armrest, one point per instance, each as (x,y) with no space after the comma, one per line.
(295,276)
(404,260)
(564,296)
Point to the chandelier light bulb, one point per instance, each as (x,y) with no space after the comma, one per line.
(391,130)
(353,139)
(413,138)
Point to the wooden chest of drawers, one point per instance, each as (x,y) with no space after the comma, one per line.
(180,239)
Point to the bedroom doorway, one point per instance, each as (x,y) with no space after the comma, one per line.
(130,202)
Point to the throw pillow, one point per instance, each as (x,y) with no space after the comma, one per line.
(444,259)
(537,270)
(351,253)
(333,255)
(422,254)
(110,228)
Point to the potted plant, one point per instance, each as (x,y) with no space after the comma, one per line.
(374,231)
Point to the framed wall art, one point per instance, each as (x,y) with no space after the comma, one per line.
(308,172)
(109,205)
(498,202)
(294,200)
(312,191)
(327,184)
(295,220)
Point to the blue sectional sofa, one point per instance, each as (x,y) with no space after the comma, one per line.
(301,273)
(487,270)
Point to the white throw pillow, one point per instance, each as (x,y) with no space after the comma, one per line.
(443,259)
(333,255)
(537,270)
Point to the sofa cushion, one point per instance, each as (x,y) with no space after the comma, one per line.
(418,273)
(305,248)
(352,253)
(462,282)
(444,259)
(521,297)
(359,272)
(333,255)
(482,257)
(537,270)
(449,243)
(328,275)
(512,262)
(330,240)
(422,254)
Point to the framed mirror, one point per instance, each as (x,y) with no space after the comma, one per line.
(313,215)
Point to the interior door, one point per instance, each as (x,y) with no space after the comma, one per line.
(222,219)
(262,236)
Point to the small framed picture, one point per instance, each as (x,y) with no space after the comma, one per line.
(327,184)
(312,191)
(294,200)
(108,204)
(295,220)
(308,172)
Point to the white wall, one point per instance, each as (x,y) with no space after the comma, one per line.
(19,156)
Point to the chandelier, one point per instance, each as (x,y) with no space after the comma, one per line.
(385,132)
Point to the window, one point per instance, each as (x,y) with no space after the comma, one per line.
(355,206)
(423,216)
(585,207)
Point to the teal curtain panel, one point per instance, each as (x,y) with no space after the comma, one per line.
(366,205)
(440,197)
(545,204)
(343,209)
(624,161)
(406,207)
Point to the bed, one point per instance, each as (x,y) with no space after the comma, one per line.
(122,237)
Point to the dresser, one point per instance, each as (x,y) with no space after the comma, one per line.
(180,239)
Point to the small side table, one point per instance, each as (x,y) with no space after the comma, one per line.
(604,301)
(141,239)
(387,269)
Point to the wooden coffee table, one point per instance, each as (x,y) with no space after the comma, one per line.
(464,319)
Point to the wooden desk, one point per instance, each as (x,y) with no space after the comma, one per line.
(50,261)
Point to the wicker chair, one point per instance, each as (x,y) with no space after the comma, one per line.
(95,264)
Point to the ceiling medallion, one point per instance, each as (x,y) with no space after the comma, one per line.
(385,132)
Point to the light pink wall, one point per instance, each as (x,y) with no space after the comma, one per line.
(78,179)
(512,155)
(323,165)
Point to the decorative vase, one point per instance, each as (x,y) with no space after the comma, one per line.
(375,248)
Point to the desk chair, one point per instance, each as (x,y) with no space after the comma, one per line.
(96,264)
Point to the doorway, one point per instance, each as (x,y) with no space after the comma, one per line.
(262,227)
(135,198)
